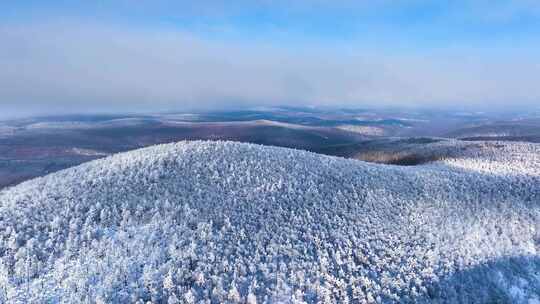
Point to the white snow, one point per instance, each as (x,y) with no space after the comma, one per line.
(364,130)
(259,122)
(60,125)
(214,222)
(6,131)
(283,124)
(87,152)
(54,125)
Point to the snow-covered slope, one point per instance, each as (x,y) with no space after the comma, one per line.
(231,222)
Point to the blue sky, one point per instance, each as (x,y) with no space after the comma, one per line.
(401,52)
(408,23)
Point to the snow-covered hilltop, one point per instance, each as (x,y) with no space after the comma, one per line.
(228,222)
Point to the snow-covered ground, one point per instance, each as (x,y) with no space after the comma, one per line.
(364,130)
(60,125)
(87,152)
(229,222)
(259,122)
(6,131)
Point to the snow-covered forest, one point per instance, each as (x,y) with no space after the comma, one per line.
(223,222)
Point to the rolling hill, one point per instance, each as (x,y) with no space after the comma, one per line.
(243,223)
(527,130)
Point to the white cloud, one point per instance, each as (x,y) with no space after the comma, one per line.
(72,68)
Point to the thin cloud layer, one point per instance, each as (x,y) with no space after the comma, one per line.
(90,68)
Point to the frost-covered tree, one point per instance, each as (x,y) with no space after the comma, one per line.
(224,222)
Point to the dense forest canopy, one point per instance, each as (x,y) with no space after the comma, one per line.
(240,223)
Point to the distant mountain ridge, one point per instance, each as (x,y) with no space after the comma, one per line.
(243,223)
